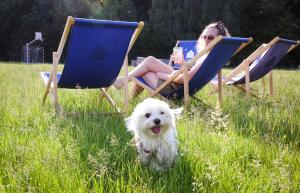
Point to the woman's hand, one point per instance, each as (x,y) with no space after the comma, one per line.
(173,72)
(177,56)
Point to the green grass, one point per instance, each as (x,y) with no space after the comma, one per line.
(250,146)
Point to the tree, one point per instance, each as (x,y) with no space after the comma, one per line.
(116,10)
(165,21)
(28,16)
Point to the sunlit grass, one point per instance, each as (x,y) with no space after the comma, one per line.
(252,145)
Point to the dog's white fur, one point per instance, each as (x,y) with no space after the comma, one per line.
(153,125)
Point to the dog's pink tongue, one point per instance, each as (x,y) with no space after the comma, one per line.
(155,130)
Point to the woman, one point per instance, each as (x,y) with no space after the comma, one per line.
(155,72)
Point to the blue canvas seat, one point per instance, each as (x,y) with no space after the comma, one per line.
(259,63)
(219,51)
(96,51)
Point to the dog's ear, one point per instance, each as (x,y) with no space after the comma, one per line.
(130,124)
(177,112)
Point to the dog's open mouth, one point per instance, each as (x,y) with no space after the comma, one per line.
(156,129)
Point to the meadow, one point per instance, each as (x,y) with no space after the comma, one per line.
(250,145)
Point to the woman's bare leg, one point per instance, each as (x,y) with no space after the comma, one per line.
(151,79)
(150,64)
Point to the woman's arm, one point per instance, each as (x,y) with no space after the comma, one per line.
(191,72)
(163,76)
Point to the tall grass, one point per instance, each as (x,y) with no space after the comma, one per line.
(252,145)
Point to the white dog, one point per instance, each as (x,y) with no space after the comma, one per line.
(153,125)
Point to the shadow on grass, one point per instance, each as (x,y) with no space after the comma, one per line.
(107,156)
(265,118)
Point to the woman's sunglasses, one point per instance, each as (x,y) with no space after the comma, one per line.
(209,37)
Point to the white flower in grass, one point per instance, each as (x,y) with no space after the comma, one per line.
(219,121)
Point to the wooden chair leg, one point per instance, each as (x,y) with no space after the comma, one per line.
(102,95)
(126,84)
(220,89)
(247,79)
(263,83)
(110,100)
(55,89)
(185,86)
(271,83)
(48,87)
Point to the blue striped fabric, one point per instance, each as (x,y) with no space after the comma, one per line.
(264,64)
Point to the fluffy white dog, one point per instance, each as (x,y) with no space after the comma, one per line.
(153,125)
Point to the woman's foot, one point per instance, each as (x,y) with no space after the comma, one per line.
(119,83)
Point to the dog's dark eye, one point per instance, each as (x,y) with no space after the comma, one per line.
(162,113)
(147,115)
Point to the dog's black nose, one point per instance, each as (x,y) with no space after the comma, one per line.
(157,121)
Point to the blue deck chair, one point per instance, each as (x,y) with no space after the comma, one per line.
(220,50)
(97,49)
(261,62)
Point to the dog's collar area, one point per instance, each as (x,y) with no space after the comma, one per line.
(145,150)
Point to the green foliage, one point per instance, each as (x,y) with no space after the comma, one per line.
(166,21)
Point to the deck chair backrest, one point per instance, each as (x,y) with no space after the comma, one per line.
(268,61)
(96,51)
(216,59)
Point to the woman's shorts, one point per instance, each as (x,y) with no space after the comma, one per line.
(170,88)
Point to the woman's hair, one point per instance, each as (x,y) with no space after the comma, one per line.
(222,30)
(219,26)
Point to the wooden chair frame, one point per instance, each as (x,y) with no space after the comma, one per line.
(245,65)
(57,55)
